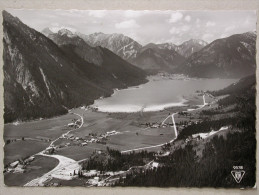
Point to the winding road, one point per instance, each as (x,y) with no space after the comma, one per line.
(65,169)
(175,129)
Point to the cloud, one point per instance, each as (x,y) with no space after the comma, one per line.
(207,37)
(127,24)
(209,23)
(187,18)
(230,28)
(97,13)
(54,24)
(175,17)
(179,30)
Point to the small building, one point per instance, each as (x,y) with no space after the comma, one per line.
(30,159)
(19,169)
(49,150)
(14,164)
(155,125)
(155,164)
(71,124)
(91,173)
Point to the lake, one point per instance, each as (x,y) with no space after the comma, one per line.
(158,94)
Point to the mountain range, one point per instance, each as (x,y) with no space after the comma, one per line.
(151,57)
(231,57)
(47,73)
(43,79)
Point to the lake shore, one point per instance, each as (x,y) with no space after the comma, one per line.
(160,93)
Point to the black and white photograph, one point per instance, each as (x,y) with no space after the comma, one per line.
(129,98)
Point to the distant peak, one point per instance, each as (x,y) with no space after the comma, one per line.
(150,44)
(196,41)
(253,33)
(65,31)
(9,17)
(46,31)
(98,33)
(62,29)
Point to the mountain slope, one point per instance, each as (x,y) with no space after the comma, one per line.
(120,70)
(40,79)
(187,48)
(233,56)
(161,57)
(88,53)
(119,44)
(154,58)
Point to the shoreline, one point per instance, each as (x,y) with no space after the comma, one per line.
(156,108)
(175,129)
(137,108)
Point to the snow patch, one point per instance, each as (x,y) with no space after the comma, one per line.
(246,45)
(206,135)
(114,76)
(45,81)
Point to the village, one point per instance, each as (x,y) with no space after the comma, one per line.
(69,139)
(100,178)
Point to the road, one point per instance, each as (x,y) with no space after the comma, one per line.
(66,167)
(175,129)
(64,170)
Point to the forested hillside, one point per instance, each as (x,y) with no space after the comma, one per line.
(184,167)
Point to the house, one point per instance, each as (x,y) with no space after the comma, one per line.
(92,140)
(155,164)
(19,169)
(30,159)
(49,150)
(155,125)
(71,124)
(78,122)
(91,173)
(14,164)
(111,132)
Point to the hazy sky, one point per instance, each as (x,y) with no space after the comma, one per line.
(144,26)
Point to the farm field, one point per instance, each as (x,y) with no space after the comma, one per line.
(36,168)
(77,152)
(45,128)
(131,134)
(133,131)
(22,149)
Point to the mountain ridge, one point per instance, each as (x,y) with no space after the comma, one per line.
(233,56)
(32,62)
(131,50)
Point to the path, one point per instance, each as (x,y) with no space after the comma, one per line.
(65,169)
(175,129)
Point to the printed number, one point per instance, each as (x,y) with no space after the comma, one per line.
(237,167)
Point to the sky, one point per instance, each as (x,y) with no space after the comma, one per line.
(144,26)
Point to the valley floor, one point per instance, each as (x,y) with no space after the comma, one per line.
(94,132)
